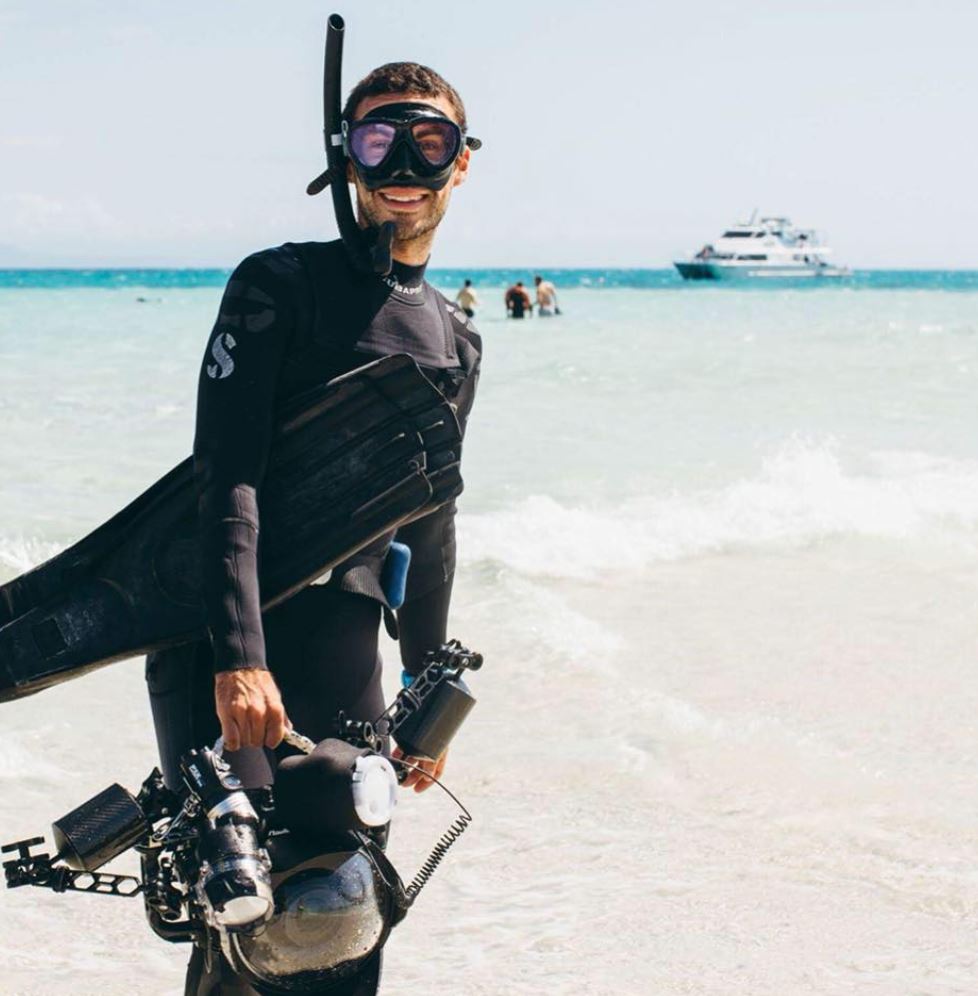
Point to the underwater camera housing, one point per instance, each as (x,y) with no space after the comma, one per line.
(216,859)
(234,877)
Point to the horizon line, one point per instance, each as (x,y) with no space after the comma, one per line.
(170,268)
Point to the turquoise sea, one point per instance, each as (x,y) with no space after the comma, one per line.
(719,545)
(941,280)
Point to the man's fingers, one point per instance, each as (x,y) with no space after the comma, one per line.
(229,730)
(428,767)
(418,776)
(410,776)
(241,716)
(253,726)
(435,769)
(257,721)
(398,755)
(249,707)
(275,726)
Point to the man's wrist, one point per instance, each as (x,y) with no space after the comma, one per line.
(228,667)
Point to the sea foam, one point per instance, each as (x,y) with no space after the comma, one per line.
(21,553)
(801,495)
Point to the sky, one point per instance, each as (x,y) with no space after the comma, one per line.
(618,134)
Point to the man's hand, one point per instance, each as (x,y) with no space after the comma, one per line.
(416,778)
(250,708)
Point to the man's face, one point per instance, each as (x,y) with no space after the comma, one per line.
(415,211)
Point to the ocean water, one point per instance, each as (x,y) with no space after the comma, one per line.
(719,546)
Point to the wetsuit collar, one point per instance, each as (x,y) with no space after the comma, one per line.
(406,281)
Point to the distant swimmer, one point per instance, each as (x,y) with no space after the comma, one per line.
(546,297)
(466,298)
(518,301)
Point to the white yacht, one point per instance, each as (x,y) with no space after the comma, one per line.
(768,247)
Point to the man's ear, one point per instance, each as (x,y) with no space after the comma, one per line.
(462,168)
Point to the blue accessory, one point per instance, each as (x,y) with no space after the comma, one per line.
(393,578)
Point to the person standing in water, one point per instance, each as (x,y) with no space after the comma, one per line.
(467,300)
(518,301)
(546,297)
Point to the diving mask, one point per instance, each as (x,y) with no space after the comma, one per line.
(405,144)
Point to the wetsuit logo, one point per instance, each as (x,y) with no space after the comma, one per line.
(220,350)
(396,285)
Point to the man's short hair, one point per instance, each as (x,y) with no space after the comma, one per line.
(405,77)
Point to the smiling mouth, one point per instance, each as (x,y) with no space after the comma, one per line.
(401,200)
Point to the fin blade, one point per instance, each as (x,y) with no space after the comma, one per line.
(350,462)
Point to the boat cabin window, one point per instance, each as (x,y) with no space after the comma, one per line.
(737,235)
(757,256)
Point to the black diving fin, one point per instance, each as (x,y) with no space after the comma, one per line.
(350,461)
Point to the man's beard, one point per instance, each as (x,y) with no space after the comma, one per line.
(408,229)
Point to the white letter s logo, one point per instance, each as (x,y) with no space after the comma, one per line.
(220,351)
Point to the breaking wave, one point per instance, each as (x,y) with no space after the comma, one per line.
(19,554)
(802,495)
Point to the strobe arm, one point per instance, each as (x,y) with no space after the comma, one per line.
(88,837)
(43,871)
(425,716)
(452,656)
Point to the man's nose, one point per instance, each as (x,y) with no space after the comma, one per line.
(402,165)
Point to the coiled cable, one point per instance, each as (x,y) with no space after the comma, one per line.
(445,842)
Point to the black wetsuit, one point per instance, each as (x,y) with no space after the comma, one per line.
(291,318)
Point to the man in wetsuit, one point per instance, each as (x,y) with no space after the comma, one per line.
(292,318)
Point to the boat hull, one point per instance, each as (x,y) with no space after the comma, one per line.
(704,270)
(695,271)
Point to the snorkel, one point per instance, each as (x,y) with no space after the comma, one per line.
(401,143)
(369,249)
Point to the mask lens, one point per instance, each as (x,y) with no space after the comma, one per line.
(370,141)
(438,141)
